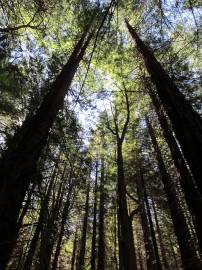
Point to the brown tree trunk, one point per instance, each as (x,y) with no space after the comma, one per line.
(81,258)
(23,153)
(186,123)
(26,207)
(163,252)
(192,195)
(101,232)
(65,214)
(153,235)
(126,230)
(187,246)
(93,246)
(43,210)
(150,255)
(115,237)
(49,232)
(120,244)
(73,260)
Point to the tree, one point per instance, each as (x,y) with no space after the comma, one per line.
(101,237)
(81,263)
(186,123)
(186,244)
(125,234)
(26,148)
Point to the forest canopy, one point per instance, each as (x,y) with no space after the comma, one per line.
(100,135)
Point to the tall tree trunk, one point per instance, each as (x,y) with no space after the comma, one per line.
(93,246)
(186,123)
(101,232)
(150,255)
(163,251)
(23,153)
(153,235)
(120,244)
(187,246)
(192,195)
(26,206)
(73,260)
(126,230)
(49,232)
(65,214)
(115,237)
(43,210)
(81,258)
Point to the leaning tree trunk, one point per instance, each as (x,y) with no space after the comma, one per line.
(187,246)
(101,232)
(23,153)
(192,194)
(186,122)
(93,246)
(82,251)
(126,230)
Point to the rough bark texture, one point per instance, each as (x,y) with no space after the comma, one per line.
(192,195)
(186,244)
(101,238)
(24,151)
(186,123)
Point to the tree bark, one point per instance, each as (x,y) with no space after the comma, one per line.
(23,153)
(93,246)
(192,195)
(65,214)
(101,232)
(49,232)
(115,237)
(187,246)
(82,251)
(153,235)
(74,251)
(186,123)
(163,251)
(126,231)
(43,210)
(150,255)
(120,244)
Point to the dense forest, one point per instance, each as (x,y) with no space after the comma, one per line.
(100,135)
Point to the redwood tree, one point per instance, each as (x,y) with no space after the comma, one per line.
(186,122)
